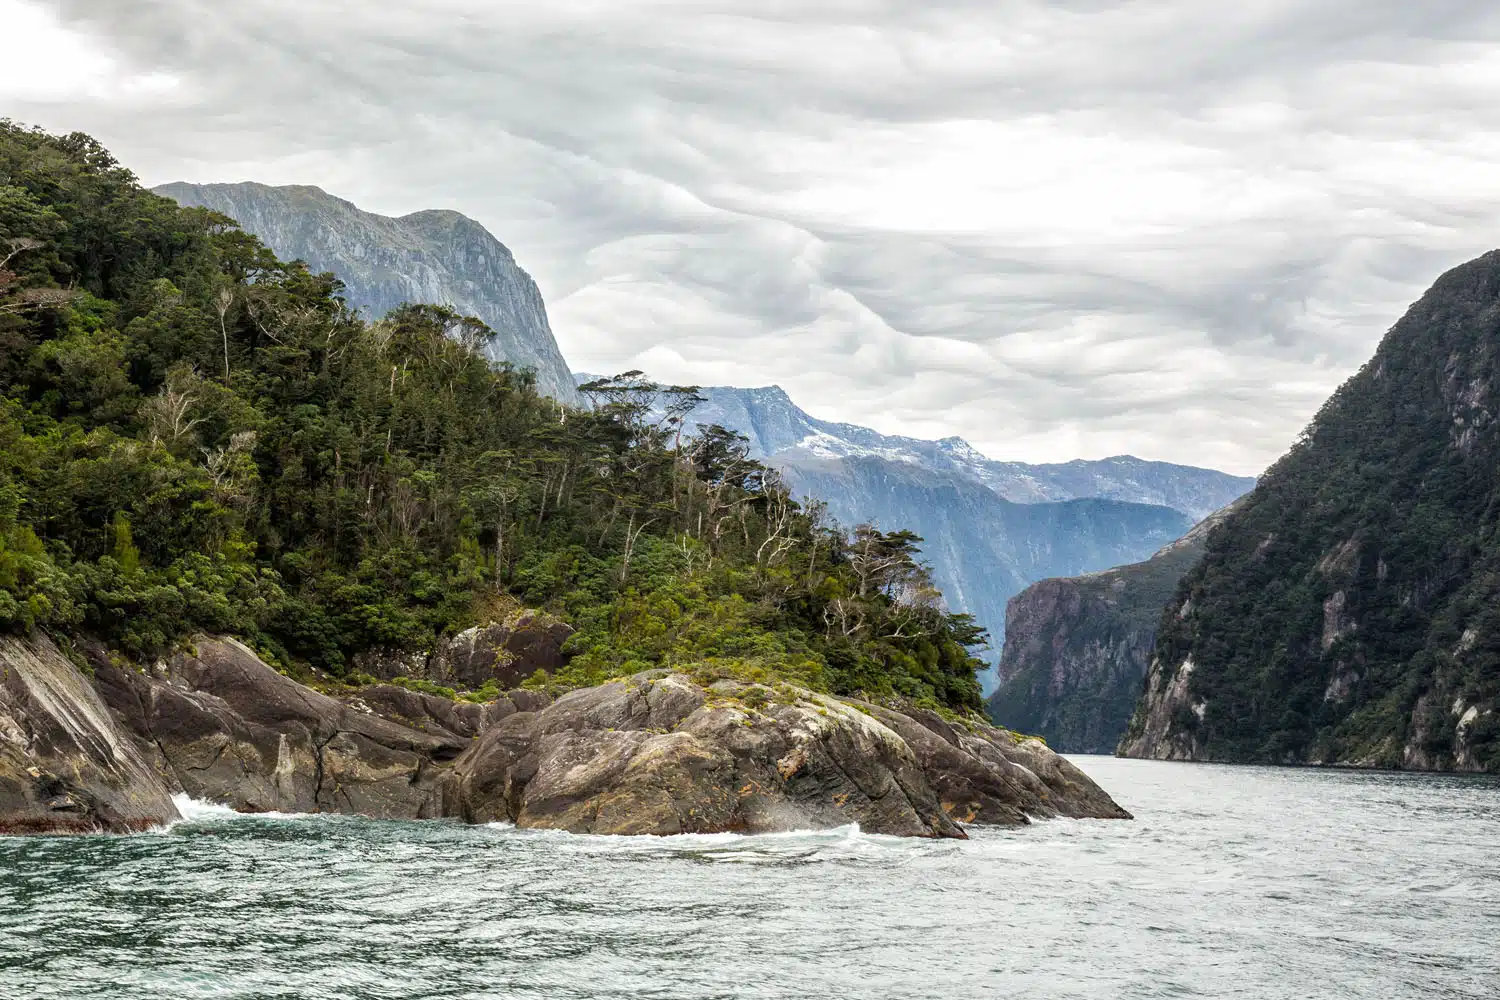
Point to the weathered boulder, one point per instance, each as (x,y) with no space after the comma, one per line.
(506,652)
(659,754)
(226,727)
(65,766)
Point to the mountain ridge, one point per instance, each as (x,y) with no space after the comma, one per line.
(777,426)
(983,545)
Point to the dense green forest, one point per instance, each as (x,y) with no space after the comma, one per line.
(1349,609)
(197,436)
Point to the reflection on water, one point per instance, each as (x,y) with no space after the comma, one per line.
(1232,882)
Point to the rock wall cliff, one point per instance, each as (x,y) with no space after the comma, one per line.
(1076,649)
(436,257)
(65,764)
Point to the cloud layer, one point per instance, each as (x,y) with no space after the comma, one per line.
(1066,229)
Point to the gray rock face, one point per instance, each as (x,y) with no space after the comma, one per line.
(1076,649)
(658,754)
(506,652)
(436,257)
(654,754)
(65,766)
(227,728)
(438,716)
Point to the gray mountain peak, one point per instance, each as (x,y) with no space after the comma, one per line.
(435,256)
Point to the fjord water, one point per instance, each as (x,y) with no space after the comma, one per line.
(1232,882)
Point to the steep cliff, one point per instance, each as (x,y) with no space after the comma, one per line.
(1349,611)
(1077,648)
(437,257)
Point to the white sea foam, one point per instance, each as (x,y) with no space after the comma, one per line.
(191,810)
(848,834)
(197,810)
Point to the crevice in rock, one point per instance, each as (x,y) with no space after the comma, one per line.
(224,745)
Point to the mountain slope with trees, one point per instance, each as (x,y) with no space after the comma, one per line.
(198,437)
(1348,611)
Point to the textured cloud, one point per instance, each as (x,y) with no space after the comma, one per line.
(1059,229)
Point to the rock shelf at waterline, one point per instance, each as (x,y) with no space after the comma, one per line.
(655,753)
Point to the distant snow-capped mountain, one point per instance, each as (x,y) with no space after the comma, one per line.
(778,428)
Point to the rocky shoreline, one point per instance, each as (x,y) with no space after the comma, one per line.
(655,753)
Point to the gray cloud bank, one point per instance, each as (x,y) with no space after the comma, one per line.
(1058,229)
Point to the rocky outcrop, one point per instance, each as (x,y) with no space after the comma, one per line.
(659,754)
(505,653)
(996,777)
(652,754)
(437,257)
(1076,649)
(65,766)
(221,725)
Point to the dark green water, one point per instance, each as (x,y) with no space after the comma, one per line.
(1233,882)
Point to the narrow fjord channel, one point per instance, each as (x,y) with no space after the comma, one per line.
(1231,882)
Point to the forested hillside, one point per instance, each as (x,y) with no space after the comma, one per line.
(197,436)
(1348,610)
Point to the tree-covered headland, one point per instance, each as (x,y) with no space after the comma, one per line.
(196,436)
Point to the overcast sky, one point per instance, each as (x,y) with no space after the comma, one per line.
(1059,229)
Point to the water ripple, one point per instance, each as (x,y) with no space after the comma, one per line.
(1233,882)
